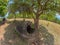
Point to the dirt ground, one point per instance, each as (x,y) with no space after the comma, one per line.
(9,37)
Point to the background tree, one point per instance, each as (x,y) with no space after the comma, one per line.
(21,7)
(3,7)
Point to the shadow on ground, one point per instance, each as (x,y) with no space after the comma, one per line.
(46,37)
(12,38)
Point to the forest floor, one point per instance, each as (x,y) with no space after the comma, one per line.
(8,37)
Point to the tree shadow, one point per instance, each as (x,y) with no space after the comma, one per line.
(12,38)
(46,37)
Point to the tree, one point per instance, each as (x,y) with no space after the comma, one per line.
(36,7)
(43,7)
(3,7)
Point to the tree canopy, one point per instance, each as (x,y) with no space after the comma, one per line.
(3,7)
(35,6)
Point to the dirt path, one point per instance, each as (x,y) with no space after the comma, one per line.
(2,31)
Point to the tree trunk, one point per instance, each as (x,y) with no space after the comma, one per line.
(36,23)
(36,26)
(15,17)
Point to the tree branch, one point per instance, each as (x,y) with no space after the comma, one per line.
(44,6)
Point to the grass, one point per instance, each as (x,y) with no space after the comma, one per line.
(0,21)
